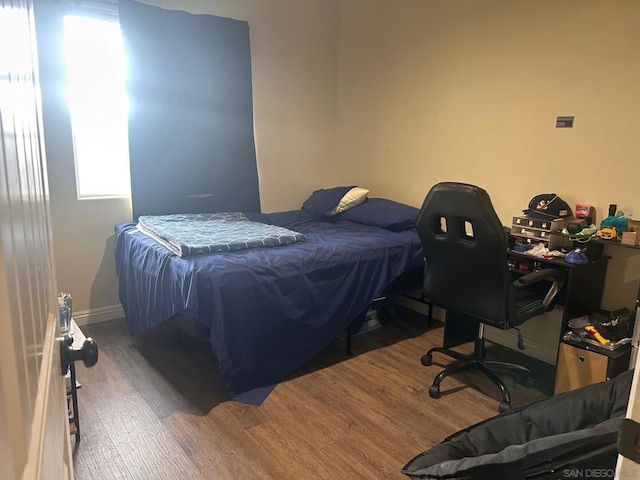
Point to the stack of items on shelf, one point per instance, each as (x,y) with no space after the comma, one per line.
(616,227)
(546,214)
(608,330)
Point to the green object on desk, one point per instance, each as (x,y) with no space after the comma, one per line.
(582,236)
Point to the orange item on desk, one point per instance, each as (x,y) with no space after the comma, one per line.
(592,330)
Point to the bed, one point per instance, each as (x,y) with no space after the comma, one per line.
(270,310)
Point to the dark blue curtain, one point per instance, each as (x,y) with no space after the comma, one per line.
(191,139)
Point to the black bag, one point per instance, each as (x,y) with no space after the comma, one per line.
(570,435)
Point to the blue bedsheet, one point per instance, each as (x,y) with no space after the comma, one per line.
(269,310)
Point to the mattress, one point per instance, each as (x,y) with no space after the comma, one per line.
(269,310)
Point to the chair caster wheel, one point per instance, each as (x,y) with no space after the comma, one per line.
(434,391)
(426,360)
(504,407)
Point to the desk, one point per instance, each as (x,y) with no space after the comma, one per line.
(581,295)
(599,241)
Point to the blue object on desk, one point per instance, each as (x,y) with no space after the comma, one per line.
(576,257)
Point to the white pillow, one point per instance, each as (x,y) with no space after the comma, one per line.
(352,198)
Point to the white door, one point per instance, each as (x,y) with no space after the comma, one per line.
(34,428)
(626,468)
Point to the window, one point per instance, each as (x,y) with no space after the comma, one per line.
(95,67)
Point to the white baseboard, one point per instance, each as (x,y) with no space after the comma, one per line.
(509,338)
(98,315)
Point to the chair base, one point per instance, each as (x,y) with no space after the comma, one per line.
(467,362)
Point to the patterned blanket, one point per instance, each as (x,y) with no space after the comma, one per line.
(191,234)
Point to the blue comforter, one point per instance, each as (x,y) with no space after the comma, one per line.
(269,310)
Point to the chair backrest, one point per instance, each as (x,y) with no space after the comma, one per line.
(465,248)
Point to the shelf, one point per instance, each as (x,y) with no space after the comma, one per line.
(599,241)
(613,353)
(559,261)
(614,243)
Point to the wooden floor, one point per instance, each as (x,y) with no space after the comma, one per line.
(148,410)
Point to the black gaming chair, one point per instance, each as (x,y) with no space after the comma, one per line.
(466,271)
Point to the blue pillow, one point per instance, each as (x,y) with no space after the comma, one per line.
(380,212)
(322,202)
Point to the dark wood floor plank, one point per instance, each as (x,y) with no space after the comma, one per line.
(95,452)
(218,450)
(155,386)
(153,411)
(146,447)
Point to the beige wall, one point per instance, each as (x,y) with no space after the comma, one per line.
(468,90)
(396,96)
(82,229)
(294,47)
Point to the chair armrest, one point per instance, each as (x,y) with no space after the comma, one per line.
(544,274)
(556,275)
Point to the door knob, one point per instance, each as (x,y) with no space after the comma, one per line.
(88,353)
